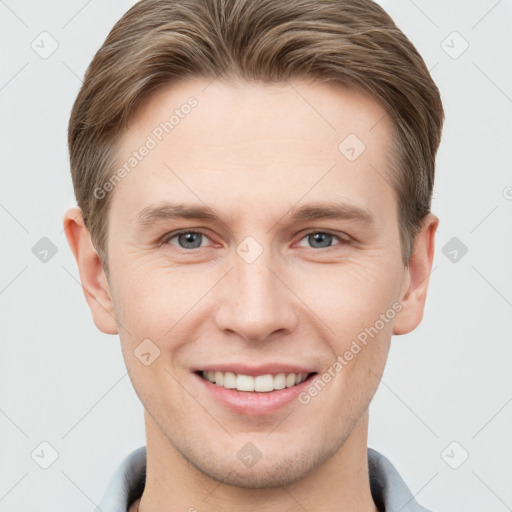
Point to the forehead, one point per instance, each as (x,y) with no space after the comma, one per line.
(256,141)
(241,112)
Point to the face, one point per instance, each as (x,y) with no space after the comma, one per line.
(297,257)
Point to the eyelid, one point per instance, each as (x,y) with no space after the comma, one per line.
(169,236)
(343,238)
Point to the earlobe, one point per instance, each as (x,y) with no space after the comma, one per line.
(92,276)
(414,291)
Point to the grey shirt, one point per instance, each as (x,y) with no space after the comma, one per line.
(389,491)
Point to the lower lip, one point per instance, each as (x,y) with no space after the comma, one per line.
(254,403)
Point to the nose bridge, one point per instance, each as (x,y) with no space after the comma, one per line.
(256,302)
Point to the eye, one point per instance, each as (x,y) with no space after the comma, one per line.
(323,239)
(195,239)
(186,239)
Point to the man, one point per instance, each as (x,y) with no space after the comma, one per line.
(254,182)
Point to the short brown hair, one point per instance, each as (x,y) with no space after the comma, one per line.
(353,43)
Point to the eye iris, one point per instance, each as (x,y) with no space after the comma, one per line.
(190,238)
(320,237)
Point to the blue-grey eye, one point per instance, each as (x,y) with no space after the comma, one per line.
(323,240)
(188,239)
(320,239)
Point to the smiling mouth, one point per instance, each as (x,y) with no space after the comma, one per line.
(259,384)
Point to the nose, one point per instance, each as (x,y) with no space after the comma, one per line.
(255,300)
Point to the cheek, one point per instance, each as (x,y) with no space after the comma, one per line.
(355,301)
(151,296)
(348,296)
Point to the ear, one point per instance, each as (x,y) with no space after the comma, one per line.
(92,276)
(414,288)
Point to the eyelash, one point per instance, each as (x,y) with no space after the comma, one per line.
(343,241)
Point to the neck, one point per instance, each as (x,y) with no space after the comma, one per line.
(173,483)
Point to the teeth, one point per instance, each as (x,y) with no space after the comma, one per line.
(229,380)
(280,381)
(244,382)
(261,383)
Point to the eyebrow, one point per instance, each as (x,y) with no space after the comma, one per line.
(314,211)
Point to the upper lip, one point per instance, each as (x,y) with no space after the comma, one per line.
(264,369)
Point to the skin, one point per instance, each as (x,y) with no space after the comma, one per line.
(252,152)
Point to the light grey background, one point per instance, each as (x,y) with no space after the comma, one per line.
(63,382)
